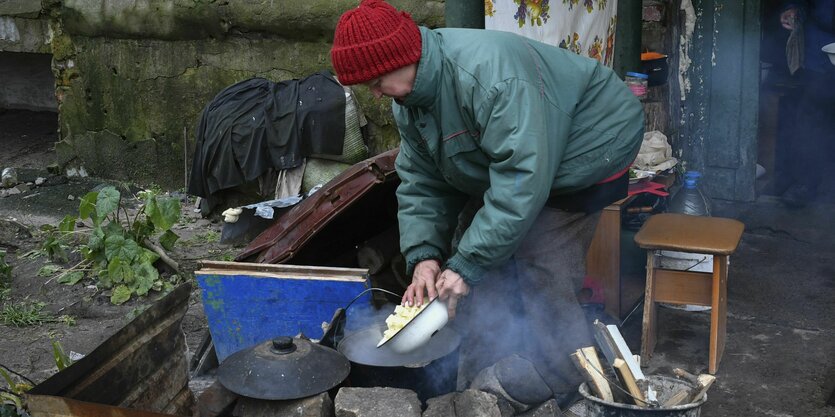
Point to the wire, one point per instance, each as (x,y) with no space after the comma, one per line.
(616,384)
(369,290)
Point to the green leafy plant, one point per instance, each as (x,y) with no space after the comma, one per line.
(118,251)
(10,398)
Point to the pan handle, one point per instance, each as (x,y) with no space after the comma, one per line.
(335,329)
(369,290)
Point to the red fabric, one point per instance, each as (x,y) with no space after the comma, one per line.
(372,40)
(616,176)
(647,187)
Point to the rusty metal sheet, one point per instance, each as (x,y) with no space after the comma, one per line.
(142,366)
(293,229)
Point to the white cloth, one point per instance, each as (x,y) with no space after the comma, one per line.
(585,27)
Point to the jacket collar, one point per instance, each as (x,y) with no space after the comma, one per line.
(428,76)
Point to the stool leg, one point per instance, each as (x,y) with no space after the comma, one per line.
(648,332)
(718,312)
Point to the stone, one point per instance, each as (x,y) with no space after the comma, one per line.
(8,178)
(11,232)
(71,197)
(316,406)
(22,188)
(475,403)
(215,400)
(376,402)
(40,180)
(443,406)
(546,409)
(469,403)
(12,191)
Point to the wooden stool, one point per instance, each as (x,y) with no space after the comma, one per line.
(694,234)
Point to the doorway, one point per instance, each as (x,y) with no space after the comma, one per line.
(795,136)
(28,110)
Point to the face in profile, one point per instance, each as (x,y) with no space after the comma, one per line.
(396,84)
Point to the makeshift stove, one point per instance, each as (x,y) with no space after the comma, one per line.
(617,386)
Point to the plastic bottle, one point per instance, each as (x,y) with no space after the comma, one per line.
(8,178)
(637,83)
(690,199)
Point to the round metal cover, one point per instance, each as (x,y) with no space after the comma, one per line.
(284,368)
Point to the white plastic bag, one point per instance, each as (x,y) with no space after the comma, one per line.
(656,154)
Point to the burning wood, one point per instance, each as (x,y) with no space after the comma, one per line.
(619,378)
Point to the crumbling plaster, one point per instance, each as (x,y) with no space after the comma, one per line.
(132,76)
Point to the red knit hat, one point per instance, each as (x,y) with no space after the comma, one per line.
(372,40)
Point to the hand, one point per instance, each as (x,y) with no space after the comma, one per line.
(451,288)
(423,279)
(788,18)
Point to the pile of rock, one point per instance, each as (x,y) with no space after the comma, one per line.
(366,402)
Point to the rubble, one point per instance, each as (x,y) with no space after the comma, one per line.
(469,403)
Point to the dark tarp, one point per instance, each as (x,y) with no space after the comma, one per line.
(256,125)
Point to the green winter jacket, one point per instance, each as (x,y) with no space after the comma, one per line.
(497,115)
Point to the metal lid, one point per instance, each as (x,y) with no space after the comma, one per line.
(637,75)
(284,368)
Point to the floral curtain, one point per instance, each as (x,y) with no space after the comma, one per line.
(585,27)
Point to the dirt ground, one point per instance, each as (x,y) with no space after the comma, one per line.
(27,140)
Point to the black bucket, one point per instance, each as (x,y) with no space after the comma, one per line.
(666,388)
(657,70)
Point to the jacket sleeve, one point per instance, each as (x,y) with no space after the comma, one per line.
(428,207)
(524,157)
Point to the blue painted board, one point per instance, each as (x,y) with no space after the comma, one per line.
(246,308)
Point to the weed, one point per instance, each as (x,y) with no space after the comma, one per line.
(30,314)
(210,236)
(10,402)
(5,269)
(23,314)
(5,277)
(61,359)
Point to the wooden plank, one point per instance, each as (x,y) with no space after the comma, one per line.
(680,397)
(681,373)
(588,364)
(705,381)
(682,287)
(629,382)
(49,406)
(718,314)
(283,275)
(603,258)
(116,372)
(623,353)
(648,326)
(295,270)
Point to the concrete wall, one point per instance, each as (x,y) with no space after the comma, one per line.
(132,76)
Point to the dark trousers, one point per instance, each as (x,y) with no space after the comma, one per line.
(528,306)
(812,142)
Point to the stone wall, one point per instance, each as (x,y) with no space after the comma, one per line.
(132,76)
